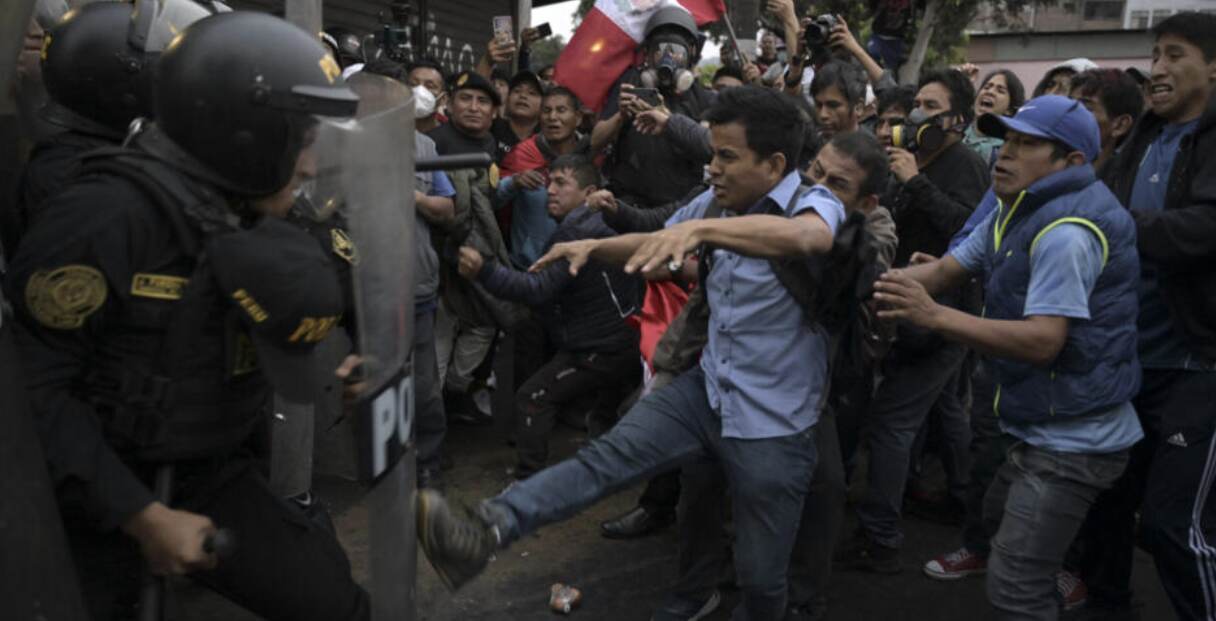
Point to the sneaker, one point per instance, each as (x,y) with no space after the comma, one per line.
(462,410)
(457,547)
(816,611)
(684,609)
(862,554)
(1071,589)
(957,564)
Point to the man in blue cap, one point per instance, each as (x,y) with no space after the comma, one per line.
(1059,260)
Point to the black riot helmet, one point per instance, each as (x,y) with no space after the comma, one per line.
(91,72)
(240,93)
(97,60)
(674,19)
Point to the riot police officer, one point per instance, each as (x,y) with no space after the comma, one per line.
(156,295)
(97,68)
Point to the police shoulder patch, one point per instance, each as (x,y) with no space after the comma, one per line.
(494,176)
(64,297)
(158,286)
(330,68)
(343,246)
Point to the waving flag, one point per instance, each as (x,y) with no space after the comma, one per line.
(605,43)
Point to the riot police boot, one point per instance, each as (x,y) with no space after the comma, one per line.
(458,547)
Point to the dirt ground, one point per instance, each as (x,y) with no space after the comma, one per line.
(625,580)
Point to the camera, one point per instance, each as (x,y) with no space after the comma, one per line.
(819,31)
(394,36)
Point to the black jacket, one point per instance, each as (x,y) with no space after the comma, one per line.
(1181,239)
(631,219)
(584,313)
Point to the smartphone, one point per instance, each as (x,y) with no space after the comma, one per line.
(504,28)
(544,30)
(648,95)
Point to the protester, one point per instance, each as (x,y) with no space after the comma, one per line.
(472,107)
(467,319)
(526,168)
(1000,93)
(935,190)
(854,167)
(889,29)
(763,437)
(546,75)
(1163,174)
(428,74)
(596,352)
(1057,329)
(893,107)
(1115,100)
(1058,79)
(839,91)
(725,77)
(501,81)
(521,115)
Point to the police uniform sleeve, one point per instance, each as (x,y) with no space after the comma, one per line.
(63,287)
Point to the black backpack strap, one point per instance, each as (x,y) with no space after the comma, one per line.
(798,275)
(705,252)
(171,196)
(167,194)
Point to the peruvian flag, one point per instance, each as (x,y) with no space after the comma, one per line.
(605,44)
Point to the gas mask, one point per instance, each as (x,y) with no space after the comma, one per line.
(920,131)
(667,68)
(424,102)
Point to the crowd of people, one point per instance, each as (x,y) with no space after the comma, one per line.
(744,291)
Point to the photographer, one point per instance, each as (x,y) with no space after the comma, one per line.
(769,66)
(651,170)
(935,190)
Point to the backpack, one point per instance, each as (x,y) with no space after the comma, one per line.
(834,290)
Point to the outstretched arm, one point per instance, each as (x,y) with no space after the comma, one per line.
(754,236)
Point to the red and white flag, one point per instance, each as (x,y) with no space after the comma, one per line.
(605,44)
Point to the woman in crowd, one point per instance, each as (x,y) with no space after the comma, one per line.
(1000,93)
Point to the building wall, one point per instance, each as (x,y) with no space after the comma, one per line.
(1031,55)
(1145,13)
(455,31)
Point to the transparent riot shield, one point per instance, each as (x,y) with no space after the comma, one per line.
(365,175)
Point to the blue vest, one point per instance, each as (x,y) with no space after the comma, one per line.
(1097,368)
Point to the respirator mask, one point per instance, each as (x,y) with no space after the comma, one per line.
(920,131)
(668,67)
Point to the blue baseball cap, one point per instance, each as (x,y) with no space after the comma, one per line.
(1051,117)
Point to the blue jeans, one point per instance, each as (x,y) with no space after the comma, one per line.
(1039,498)
(672,427)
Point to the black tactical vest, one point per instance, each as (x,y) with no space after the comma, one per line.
(178,378)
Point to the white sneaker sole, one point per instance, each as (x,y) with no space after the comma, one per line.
(710,606)
(938,574)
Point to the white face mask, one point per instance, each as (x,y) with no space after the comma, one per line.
(424,102)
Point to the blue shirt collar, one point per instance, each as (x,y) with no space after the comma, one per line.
(781,193)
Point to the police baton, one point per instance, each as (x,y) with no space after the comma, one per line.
(453,162)
(152,593)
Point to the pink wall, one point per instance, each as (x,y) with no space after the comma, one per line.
(1031,71)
